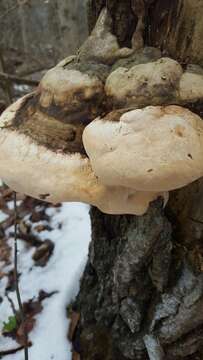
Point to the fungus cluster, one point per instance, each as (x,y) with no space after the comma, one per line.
(106,128)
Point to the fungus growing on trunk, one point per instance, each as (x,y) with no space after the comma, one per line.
(129,158)
(143,84)
(156,148)
(154,83)
(55,175)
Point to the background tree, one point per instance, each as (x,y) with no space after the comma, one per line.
(35,35)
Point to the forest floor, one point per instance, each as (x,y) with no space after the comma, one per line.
(53,244)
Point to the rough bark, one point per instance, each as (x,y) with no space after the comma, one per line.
(141,294)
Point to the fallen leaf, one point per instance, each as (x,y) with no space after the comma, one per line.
(74,319)
(75,356)
(42,227)
(43,253)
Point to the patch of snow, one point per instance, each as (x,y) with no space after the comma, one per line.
(22,88)
(3,216)
(8,343)
(62,274)
(10,204)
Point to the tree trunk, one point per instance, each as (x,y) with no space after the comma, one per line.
(141,294)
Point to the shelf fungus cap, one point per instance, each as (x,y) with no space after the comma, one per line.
(69,88)
(43,157)
(36,170)
(156,148)
(153,83)
(56,176)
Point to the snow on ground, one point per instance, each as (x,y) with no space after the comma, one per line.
(61,273)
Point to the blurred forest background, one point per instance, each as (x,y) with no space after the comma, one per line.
(35,35)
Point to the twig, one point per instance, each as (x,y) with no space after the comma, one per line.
(12,8)
(8,11)
(18,80)
(10,351)
(12,305)
(22,316)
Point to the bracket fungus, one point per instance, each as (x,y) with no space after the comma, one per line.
(159,82)
(156,148)
(63,142)
(54,176)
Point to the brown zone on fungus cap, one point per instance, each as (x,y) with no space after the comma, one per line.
(57,113)
(83,112)
(74,109)
(65,91)
(60,134)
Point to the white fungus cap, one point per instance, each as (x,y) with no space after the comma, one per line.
(53,176)
(151,149)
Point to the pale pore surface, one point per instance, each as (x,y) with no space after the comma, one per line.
(54,177)
(154,82)
(60,85)
(150,149)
